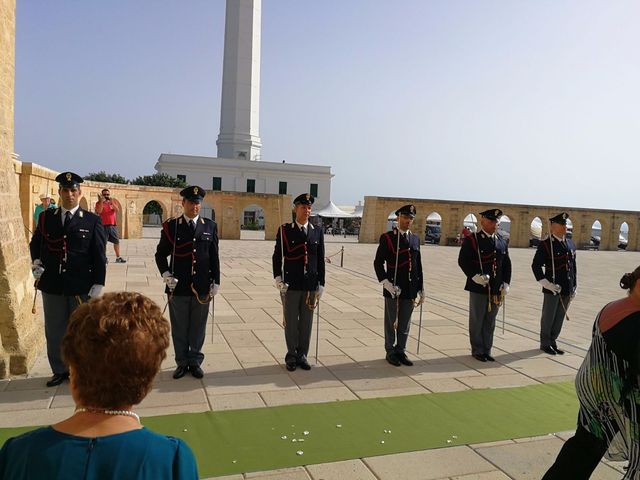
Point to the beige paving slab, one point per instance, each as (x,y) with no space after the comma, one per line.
(541,367)
(429,464)
(236,401)
(308,395)
(25,399)
(33,417)
(349,469)
(443,385)
(530,460)
(176,392)
(255,383)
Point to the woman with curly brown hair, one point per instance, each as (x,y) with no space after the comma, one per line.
(608,388)
(114,347)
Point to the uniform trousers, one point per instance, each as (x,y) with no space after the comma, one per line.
(402,308)
(298,323)
(552,318)
(188,328)
(57,310)
(482,323)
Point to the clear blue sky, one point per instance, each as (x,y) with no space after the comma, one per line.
(501,101)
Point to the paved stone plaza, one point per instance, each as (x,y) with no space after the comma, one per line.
(245,350)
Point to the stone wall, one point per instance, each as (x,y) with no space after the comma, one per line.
(20,331)
(453,213)
(34,180)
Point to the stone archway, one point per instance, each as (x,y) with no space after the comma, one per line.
(252,222)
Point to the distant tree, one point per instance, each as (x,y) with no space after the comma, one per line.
(103,176)
(159,180)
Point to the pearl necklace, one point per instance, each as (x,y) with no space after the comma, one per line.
(126,413)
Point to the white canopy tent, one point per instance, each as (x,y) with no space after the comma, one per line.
(331,211)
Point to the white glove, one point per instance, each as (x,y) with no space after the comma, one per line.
(280,285)
(482,280)
(389,287)
(420,297)
(505,288)
(555,289)
(95,290)
(320,291)
(37,269)
(170,280)
(214,289)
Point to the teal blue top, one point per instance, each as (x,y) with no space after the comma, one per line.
(137,455)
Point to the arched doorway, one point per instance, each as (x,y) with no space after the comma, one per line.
(252,223)
(433,228)
(470,223)
(569,233)
(623,236)
(596,235)
(535,232)
(152,214)
(504,227)
(392,221)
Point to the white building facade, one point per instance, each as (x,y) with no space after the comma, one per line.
(237,175)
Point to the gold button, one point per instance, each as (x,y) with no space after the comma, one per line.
(64,269)
(64,236)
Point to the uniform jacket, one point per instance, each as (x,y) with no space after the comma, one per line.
(73,256)
(495,261)
(409,277)
(195,261)
(303,257)
(564,256)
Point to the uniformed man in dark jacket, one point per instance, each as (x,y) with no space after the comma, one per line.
(300,279)
(192,278)
(484,259)
(402,282)
(558,281)
(69,265)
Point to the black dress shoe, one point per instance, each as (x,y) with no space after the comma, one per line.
(479,357)
(303,364)
(392,358)
(548,350)
(558,351)
(404,360)
(489,358)
(196,371)
(290,366)
(57,379)
(180,372)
